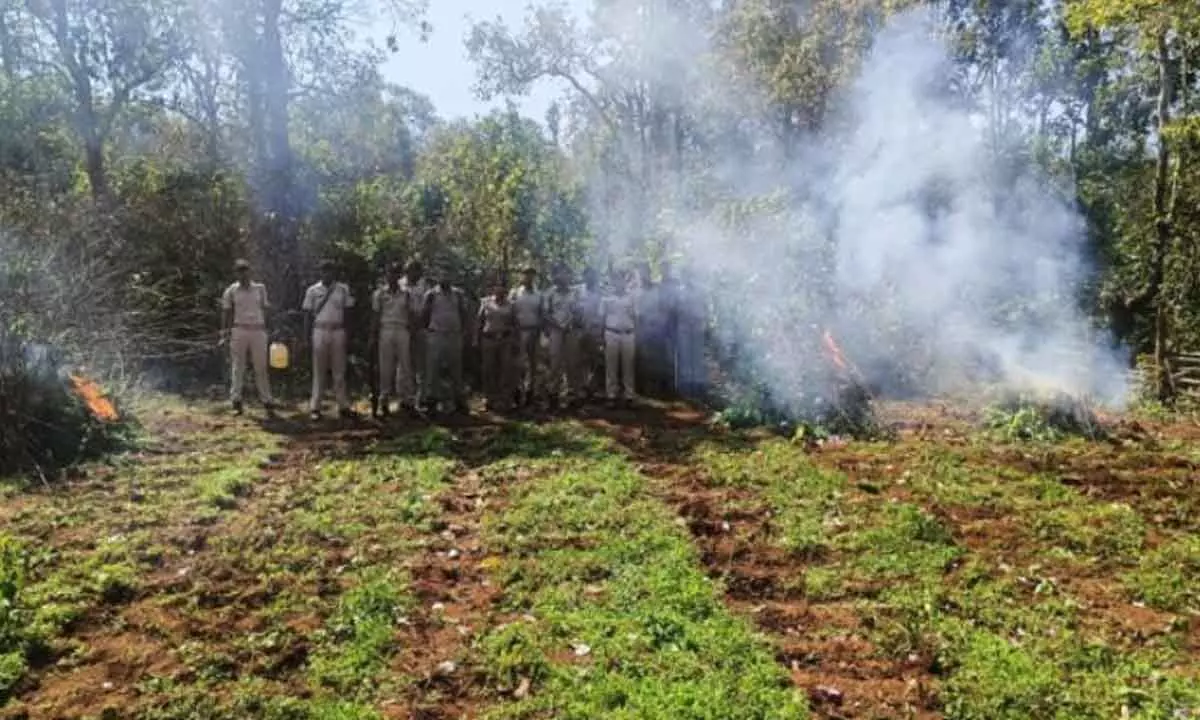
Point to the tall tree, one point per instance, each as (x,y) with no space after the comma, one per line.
(1164,33)
(107,54)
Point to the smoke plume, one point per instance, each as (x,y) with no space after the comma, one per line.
(936,264)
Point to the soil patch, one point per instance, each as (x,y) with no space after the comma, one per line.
(821,644)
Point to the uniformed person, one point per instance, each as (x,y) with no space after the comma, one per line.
(244,328)
(666,332)
(392,320)
(417,286)
(527,303)
(588,371)
(645,297)
(559,311)
(445,321)
(690,332)
(472,371)
(619,315)
(326,303)
(497,340)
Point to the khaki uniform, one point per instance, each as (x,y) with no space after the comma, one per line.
(417,339)
(472,372)
(528,307)
(329,341)
(498,333)
(588,370)
(619,313)
(393,307)
(445,344)
(560,312)
(248,336)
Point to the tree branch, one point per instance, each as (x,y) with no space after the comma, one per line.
(121,97)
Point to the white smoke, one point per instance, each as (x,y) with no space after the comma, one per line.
(905,236)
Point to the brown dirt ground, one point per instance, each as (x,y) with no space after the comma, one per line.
(821,643)
(127,642)
(457,601)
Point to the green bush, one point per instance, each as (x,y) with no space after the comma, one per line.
(52,308)
(850,413)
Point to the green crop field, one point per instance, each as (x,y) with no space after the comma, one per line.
(626,565)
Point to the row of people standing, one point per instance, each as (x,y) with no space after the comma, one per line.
(574,321)
(635,337)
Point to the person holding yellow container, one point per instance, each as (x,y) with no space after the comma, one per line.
(244,307)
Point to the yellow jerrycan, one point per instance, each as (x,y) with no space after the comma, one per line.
(279,356)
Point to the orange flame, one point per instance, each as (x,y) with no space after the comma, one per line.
(93,397)
(835,352)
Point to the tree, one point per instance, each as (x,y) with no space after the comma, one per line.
(630,73)
(505,197)
(107,54)
(1166,34)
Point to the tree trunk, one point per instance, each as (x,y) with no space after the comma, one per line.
(505,261)
(8,48)
(278,234)
(207,91)
(87,124)
(1162,222)
(97,172)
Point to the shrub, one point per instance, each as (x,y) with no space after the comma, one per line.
(44,425)
(50,310)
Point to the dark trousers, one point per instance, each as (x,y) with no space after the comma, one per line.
(655,365)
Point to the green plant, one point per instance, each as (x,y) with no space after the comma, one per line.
(1026,418)
(358,638)
(14,616)
(1168,577)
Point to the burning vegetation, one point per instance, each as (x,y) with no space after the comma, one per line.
(51,419)
(1049,418)
(847,408)
(829,399)
(93,398)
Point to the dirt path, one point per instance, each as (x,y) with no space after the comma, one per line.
(457,602)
